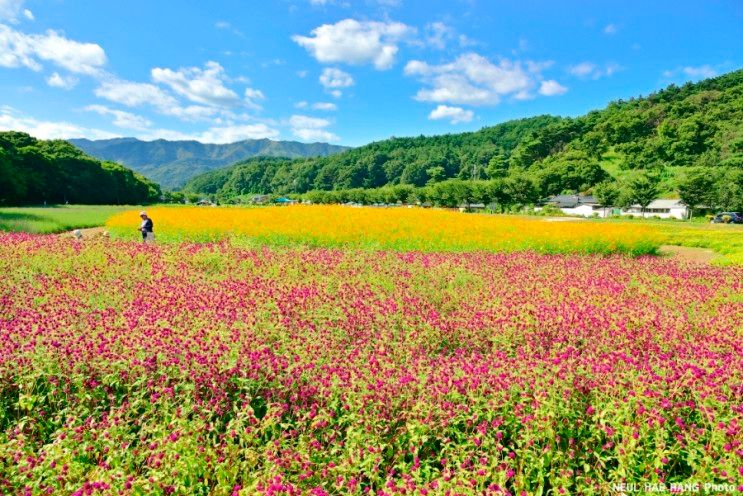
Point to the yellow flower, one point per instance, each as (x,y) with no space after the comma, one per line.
(389,228)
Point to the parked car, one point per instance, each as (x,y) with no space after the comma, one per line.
(728,218)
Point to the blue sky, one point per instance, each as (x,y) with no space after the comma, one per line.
(342,71)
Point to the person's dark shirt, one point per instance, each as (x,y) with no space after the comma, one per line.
(147,226)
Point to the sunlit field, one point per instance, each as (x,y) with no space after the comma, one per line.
(724,239)
(395,228)
(55,219)
(212,369)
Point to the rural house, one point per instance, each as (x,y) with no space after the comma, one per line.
(665,209)
(585,206)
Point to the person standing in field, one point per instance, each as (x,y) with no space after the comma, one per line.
(148,236)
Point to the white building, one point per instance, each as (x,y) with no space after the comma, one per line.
(587,206)
(665,209)
(583,206)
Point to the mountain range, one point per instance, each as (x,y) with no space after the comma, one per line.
(173,163)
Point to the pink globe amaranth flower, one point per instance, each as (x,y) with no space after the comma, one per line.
(317,341)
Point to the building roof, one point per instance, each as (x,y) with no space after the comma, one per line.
(662,203)
(570,201)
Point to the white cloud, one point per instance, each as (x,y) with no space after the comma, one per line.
(230,134)
(9,121)
(311,128)
(309,122)
(454,114)
(356,42)
(438,34)
(217,134)
(224,25)
(122,119)
(586,70)
(466,41)
(28,15)
(301,105)
(254,94)
(551,87)
(471,79)
(64,82)
(326,106)
(10,9)
(583,69)
(611,29)
(251,95)
(29,50)
(132,94)
(334,79)
(702,71)
(204,86)
(302,74)
(692,72)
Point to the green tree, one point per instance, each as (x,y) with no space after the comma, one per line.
(520,189)
(436,174)
(642,190)
(607,193)
(728,191)
(697,188)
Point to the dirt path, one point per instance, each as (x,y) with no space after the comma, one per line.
(687,253)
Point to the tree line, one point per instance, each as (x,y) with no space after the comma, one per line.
(700,188)
(659,138)
(37,171)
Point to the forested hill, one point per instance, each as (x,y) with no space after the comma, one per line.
(172,163)
(37,171)
(392,161)
(693,125)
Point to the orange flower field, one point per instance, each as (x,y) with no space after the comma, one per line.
(388,228)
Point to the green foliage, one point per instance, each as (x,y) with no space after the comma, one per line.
(606,193)
(697,187)
(413,161)
(642,190)
(36,171)
(570,172)
(728,191)
(697,125)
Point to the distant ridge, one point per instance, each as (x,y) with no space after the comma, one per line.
(173,163)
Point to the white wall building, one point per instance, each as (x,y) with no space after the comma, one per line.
(665,209)
(587,206)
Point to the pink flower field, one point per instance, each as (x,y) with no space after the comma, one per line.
(210,369)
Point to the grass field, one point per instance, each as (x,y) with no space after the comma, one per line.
(44,220)
(725,240)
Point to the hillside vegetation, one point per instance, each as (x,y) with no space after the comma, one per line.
(172,163)
(655,143)
(38,171)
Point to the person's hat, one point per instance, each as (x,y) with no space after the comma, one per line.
(142,213)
